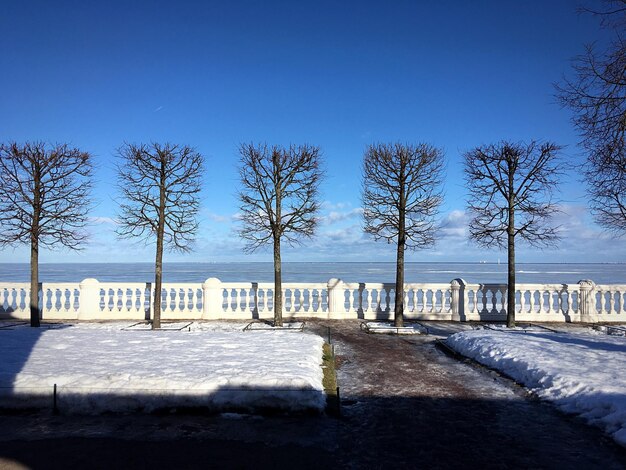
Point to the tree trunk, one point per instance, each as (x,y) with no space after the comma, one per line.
(158,276)
(510,285)
(34,281)
(398,314)
(399,300)
(278,284)
(158,264)
(34,249)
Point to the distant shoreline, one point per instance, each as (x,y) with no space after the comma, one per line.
(303,271)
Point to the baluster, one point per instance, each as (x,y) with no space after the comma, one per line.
(550,302)
(611,300)
(185,297)
(236,293)
(319,299)
(602,302)
(364,303)
(165,298)
(5,303)
(125,299)
(306,299)
(540,301)
(260,300)
(296,300)
(405,300)
(26,298)
(475,294)
(440,301)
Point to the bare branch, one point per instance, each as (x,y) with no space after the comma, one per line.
(279,193)
(159,188)
(509,178)
(402,192)
(45,194)
(597,97)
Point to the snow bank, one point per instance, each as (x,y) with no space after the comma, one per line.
(581,373)
(99,367)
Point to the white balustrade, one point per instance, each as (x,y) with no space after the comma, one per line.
(610,302)
(213,299)
(15,300)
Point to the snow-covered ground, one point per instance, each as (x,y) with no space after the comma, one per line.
(582,373)
(104,367)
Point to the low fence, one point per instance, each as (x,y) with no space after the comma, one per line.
(216,300)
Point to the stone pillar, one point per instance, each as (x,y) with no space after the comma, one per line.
(587,301)
(336,300)
(457,300)
(212,298)
(89,299)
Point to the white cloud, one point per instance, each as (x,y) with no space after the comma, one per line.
(338,216)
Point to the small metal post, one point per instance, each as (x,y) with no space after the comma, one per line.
(338,404)
(329,342)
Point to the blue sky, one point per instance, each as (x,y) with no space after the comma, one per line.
(340,75)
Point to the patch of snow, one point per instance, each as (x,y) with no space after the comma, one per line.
(99,367)
(389,328)
(287,326)
(580,373)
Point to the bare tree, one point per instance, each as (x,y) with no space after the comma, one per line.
(597,96)
(279,200)
(401,195)
(160,186)
(44,200)
(510,195)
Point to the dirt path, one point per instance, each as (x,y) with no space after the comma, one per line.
(410,404)
(405,405)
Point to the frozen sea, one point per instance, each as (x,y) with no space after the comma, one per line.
(611,273)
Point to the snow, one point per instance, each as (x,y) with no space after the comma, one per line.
(102,367)
(582,373)
(389,328)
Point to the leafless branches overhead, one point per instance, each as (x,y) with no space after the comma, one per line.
(597,96)
(279,193)
(402,192)
(44,194)
(508,178)
(159,186)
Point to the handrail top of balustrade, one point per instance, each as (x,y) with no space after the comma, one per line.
(270,285)
(610,286)
(392,285)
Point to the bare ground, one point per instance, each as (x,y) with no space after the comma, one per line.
(405,404)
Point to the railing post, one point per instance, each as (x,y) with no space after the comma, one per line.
(457,300)
(587,301)
(89,299)
(212,299)
(336,308)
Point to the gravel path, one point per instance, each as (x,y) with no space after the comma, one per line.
(406,404)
